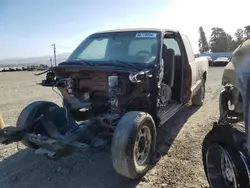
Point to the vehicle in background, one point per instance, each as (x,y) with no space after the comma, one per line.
(11,69)
(37,67)
(220,61)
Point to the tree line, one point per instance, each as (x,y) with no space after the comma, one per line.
(221,41)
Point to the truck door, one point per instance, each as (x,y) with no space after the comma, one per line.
(171,43)
(191,59)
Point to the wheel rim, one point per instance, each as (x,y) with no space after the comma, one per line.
(142,146)
(220,168)
(227,169)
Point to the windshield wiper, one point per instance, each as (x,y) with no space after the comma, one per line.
(123,63)
(85,61)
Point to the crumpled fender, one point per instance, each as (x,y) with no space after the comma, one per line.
(229,75)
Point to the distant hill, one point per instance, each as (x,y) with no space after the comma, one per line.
(32,60)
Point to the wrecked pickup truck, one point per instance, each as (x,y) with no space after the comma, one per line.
(117,87)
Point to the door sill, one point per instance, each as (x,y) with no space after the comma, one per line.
(169,111)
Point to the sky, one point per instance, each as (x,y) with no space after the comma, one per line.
(29,27)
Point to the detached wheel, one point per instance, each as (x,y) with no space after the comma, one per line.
(223,159)
(29,114)
(133,144)
(199,97)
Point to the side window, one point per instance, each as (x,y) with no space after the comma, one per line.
(141,45)
(188,48)
(173,44)
(95,50)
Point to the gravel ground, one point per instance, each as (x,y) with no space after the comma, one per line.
(179,143)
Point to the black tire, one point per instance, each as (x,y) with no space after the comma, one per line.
(123,144)
(198,98)
(29,113)
(232,139)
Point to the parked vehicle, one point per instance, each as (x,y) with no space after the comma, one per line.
(220,61)
(117,87)
(24,68)
(37,67)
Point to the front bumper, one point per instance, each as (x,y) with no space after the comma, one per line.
(53,148)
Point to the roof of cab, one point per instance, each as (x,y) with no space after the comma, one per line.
(135,29)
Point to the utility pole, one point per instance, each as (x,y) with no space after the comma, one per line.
(50,59)
(54,48)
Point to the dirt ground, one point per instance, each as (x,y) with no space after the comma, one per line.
(179,143)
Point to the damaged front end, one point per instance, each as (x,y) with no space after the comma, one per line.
(230,101)
(94,100)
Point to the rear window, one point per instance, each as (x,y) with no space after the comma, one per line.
(173,44)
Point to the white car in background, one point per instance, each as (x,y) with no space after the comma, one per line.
(221,61)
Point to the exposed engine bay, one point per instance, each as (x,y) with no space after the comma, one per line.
(100,91)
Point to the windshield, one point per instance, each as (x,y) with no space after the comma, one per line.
(131,47)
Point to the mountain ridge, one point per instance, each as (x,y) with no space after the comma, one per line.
(33,60)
